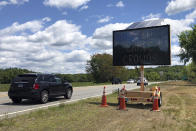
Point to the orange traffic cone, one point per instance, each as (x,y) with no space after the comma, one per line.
(122,104)
(155,103)
(104,99)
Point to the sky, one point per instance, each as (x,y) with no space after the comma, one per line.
(59,36)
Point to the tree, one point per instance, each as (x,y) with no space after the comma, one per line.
(101,69)
(153,76)
(187,40)
(6,75)
(134,73)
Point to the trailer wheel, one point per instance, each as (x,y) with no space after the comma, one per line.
(160,100)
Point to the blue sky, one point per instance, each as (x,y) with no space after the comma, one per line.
(59,36)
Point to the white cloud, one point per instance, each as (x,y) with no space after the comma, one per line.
(120,4)
(151,16)
(12,2)
(191,15)
(176,6)
(61,34)
(32,26)
(47,19)
(177,26)
(77,56)
(84,7)
(3,3)
(176,61)
(65,3)
(175,50)
(102,37)
(59,47)
(104,20)
(62,47)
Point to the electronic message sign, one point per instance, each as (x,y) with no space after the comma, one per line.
(142,46)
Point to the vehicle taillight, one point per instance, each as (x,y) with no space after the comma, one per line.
(36,86)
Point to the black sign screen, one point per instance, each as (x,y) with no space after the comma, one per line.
(143,46)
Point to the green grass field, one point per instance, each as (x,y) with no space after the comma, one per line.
(178,113)
(78,84)
(4,87)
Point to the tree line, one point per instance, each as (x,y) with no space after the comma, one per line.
(104,75)
(6,75)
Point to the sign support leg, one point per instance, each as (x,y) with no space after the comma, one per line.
(142,78)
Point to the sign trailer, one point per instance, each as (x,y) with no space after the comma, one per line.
(142,44)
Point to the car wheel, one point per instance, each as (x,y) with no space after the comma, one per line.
(44,97)
(16,100)
(68,93)
(160,100)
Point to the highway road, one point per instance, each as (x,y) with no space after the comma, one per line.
(8,109)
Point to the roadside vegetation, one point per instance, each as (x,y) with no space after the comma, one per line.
(4,87)
(78,84)
(161,73)
(178,112)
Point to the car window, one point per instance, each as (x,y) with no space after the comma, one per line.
(47,77)
(25,78)
(41,78)
(58,80)
(52,79)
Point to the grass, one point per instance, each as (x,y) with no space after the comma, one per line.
(177,113)
(4,87)
(78,84)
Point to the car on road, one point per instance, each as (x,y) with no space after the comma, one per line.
(145,82)
(39,87)
(130,81)
(116,81)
